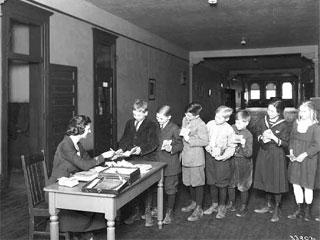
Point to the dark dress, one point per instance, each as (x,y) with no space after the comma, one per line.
(67,160)
(304,173)
(271,165)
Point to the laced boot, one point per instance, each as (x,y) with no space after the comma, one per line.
(243,211)
(190,207)
(230,207)
(221,212)
(307,215)
(196,215)
(213,208)
(169,216)
(265,209)
(298,213)
(149,220)
(276,213)
(135,216)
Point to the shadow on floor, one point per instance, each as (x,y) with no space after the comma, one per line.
(14,220)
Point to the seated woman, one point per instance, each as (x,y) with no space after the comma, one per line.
(70,158)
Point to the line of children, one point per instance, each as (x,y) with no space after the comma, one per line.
(226,164)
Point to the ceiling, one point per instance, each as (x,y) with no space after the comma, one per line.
(196,25)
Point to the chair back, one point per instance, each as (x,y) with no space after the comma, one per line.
(36,177)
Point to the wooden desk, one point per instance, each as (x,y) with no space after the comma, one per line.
(61,197)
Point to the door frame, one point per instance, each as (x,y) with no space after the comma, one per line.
(27,14)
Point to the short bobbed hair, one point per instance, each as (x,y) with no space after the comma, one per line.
(312,107)
(77,125)
(279,106)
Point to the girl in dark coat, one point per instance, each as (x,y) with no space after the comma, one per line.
(70,158)
(271,167)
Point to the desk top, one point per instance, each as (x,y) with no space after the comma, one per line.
(76,190)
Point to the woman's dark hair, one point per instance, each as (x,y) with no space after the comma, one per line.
(77,125)
(279,105)
(194,108)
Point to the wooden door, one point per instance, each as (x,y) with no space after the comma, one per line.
(62,105)
(105,134)
(25,59)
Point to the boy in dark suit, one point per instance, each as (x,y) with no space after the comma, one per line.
(139,142)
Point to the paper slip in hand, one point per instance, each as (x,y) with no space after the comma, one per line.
(237,138)
(292,158)
(166,143)
(184,132)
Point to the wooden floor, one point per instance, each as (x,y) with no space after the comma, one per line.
(14,220)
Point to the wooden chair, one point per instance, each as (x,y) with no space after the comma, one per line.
(36,177)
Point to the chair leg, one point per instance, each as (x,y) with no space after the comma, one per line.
(31,228)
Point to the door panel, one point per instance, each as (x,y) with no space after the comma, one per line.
(62,104)
(104,92)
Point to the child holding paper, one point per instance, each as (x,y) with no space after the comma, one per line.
(304,147)
(170,145)
(271,165)
(139,142)
(241,163)
(219,151)
(195,138)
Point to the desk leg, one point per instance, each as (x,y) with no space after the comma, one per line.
(111,230)
(160,201)
(54,227)
(54,223)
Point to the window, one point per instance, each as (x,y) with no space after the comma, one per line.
(270,90)
(287,90)
(254,91)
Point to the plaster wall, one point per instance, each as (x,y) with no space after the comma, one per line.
(71,44)
(203,80)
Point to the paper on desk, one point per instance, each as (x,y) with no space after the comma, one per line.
(144,168)
(86,176)
(69,182)
(166,143)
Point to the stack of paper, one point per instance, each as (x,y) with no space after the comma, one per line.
(86,176)
(69,182)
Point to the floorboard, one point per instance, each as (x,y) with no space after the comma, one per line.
(14,220)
